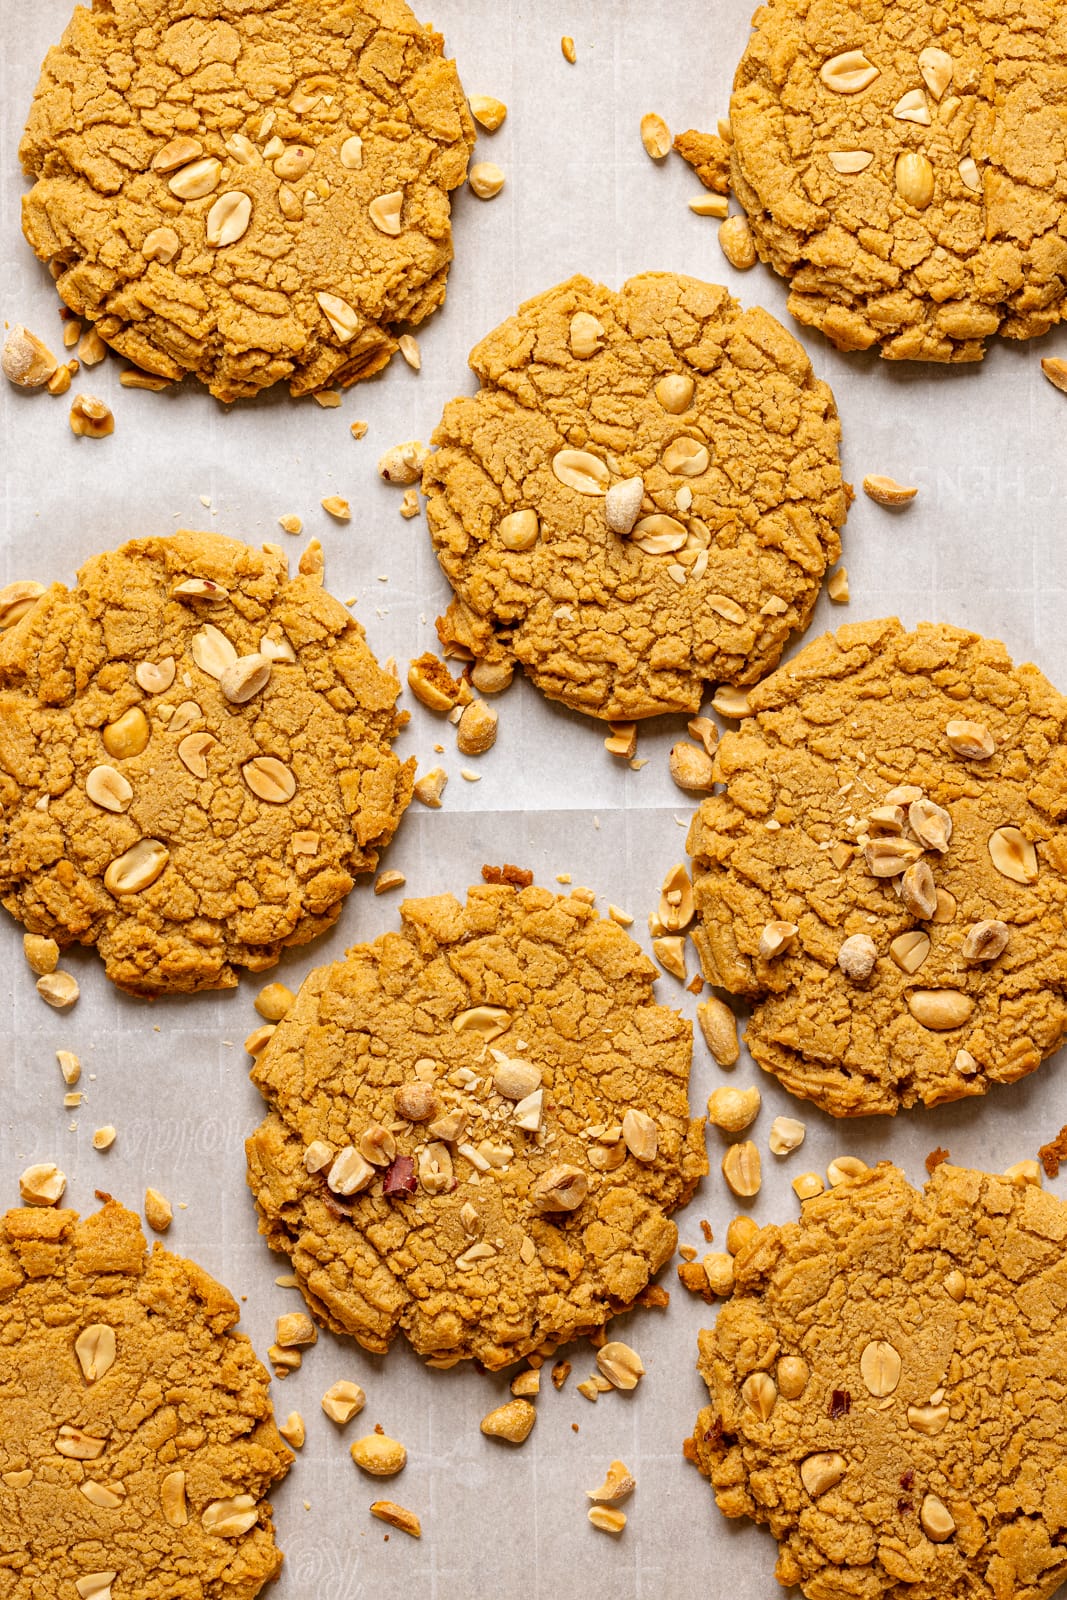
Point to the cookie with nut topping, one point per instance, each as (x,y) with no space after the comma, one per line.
(899,169)
(642,497)
(260,191)
(137,1433)
(478,1129)
(885,1394)
(196,759)
(884,873)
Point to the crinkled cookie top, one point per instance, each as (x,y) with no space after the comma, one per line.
(736,517)
(137,1439)
(479,1127)
(884,874)
(195,760)
(247,190)
(903,166)
(886,1390)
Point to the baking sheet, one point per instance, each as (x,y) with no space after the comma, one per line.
(981,547)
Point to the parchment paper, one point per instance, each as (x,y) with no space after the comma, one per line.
(981,546)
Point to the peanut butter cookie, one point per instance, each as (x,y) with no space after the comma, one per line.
(138,1439)
(901,166)
(248,191)
(885,1390)
(644,494)
(884,874)
(478,1129)
(194,759)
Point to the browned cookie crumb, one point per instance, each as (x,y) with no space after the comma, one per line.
(709,157)
(195,760)
(250,191)
(137,1435)
(642,497)
(518,877)
(937,1313)
(1053,1153)
(884,874)
(479,1127)
(898,166)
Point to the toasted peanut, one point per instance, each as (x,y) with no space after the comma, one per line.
(486,179)
(691,767)
(26,360)
(476,730)
(733,1110)
(886,491)
(513,1421)
(655,136)
(719,1027)
(741,1168)
(487,111)
(42,954)
(397,1517)
(343,1401)
(379,1455)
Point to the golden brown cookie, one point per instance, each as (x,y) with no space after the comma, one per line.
(901,166)
(886,1391)
(137,1438)
(478,1128)
(247,190)
(884,874)
(643,496)
(194,759)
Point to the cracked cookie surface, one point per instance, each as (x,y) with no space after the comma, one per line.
(138,1439)
(718,412)
(855,744)
(902,166)
(886,1390)
(250,192)
(454,1114)
(195,760)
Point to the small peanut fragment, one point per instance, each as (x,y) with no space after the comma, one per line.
(90,418)
(741,1168)
(733,1110)
(429,788)
(655,136)
(397,1517)
(158,1211)
(487,111)
(476,730)
(379,1455)
(606,1518)
(719,1027)
(786,1134)
(886,491)
(691,767)
(343,1401)
(42,1184)
(513,1421)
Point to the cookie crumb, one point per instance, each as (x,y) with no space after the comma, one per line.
(521,877)
(935,1158)
(1053,1153)
(654,1298)
(705,1228)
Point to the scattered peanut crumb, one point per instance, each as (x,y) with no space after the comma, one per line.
(133,378)
(409,505)
(687,1252)
(90,418)
(290,524)
(560,1373)
(705,1228)
(617,914)
(589,1389)
(104,1137)
(563,877)
(337,507)
(69,1066)
(566,44)
(328,399)
(293,1431)
(358,430)
(653,1298)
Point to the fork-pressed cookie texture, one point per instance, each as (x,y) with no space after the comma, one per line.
(886,1390)
(728,444)
(903,167)
(195,759)
(247,190)
(884,873)
(137,1439)
(478,1128)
